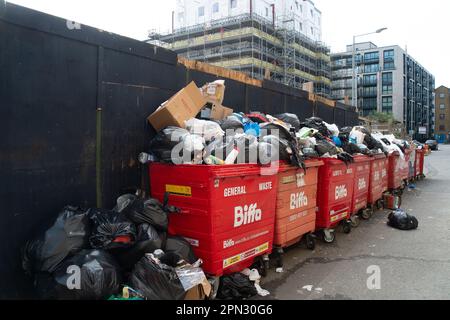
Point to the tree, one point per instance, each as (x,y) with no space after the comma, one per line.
(381,117)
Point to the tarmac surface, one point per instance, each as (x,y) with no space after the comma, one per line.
(375,261)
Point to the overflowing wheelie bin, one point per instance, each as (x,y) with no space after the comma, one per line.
(334,198)
(296,206)
(359,207)
(228,212)
(378,184)
(419,164)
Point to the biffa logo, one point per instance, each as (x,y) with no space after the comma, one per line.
(247,215)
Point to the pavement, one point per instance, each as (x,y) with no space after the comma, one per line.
(375,261)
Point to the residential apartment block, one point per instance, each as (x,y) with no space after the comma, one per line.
(389,80)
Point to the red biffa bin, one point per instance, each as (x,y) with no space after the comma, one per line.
(404,165)
(228,212)
(378,181)
(296,206)
(334,197)
(419,164)
(395,179)
(361,168)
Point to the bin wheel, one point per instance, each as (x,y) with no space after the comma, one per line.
(347,227)
(366,214)
(329,236)
(310,242)
(355,221)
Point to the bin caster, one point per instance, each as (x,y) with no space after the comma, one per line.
(279,258)
(355,221)
(263,265)
(347,226)
(310,242)
(366,214)
(328,236)
(380,204)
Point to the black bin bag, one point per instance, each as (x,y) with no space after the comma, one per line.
(401,220)
(148,241)
(149,211)
(181,247)
(236,287)
(89,275)
(291,119)
(111,230)
(156,281)
(68,235)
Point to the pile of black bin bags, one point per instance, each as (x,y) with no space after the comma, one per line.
(91,254)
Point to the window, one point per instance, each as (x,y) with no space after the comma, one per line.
(441,128)
(387,89)
(370,91)
(233,4)
(267,12)
(370,79)
(301,8)
(387,78)
(442,96)
(371,56)
(369,103)
(216,7)
(201,11)
(442,116)
(301,26)
(387,104)
(389,65)
(371,68)
(296,4)
(312,31)
(312,13)
(442,106)
(388,55)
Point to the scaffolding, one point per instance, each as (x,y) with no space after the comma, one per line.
(261,48)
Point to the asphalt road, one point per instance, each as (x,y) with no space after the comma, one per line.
(411,264)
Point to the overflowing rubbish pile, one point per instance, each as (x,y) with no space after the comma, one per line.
(129,252)
(216,135)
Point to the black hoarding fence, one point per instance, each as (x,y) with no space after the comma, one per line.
(73,103)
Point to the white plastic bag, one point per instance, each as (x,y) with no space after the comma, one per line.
(333,129)
(209,130)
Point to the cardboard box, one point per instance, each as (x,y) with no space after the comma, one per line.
(200,292)
(185,105)
(214,92)
(216,112)
(219,112)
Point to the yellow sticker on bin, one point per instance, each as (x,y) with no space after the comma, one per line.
(184,191)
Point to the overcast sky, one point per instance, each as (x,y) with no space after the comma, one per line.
(422,26)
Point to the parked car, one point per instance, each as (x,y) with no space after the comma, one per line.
(433,144)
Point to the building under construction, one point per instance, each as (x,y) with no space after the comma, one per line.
(261,48)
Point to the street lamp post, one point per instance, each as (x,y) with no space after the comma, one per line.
(354,73)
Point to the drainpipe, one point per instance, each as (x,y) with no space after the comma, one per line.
(273,15)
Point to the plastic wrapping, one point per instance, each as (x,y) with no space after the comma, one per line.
(190,276)
(334,130)
(273,129)
(111,230)
(399,219)
(209,130)
(99,277)
(68,235)
(156,281)
(325,147)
